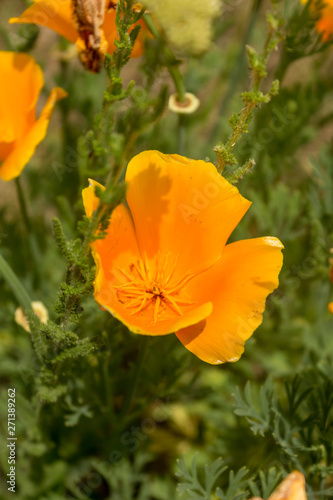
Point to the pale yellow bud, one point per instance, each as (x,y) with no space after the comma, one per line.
(38,308)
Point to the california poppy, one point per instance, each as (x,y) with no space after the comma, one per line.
(291,488)
(164,265)
(20,133)
(93,32)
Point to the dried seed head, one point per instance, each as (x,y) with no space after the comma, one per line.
(88,17)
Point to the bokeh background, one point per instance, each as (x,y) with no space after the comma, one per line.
(267,414)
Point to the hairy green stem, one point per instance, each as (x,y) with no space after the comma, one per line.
(258,67)
(238,68)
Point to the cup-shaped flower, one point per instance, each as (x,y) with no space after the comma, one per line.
(94,32)
(20,133)
(164,265)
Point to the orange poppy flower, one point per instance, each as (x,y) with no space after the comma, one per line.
(325,23)
(93,37)
(291,488)
(20,133)
(164,265)
(330,307)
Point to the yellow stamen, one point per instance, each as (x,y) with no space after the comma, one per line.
(141,289)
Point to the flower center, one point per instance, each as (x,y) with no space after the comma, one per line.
(152,286)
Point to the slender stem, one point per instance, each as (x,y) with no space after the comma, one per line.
(224,152)
(134,379)
(34,250)
(23,205)
(14,283)
(178,81)
(171,61)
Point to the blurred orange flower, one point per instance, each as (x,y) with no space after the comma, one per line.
(20,133)
(291,488)
(93,32)
(325,23)
(164,265)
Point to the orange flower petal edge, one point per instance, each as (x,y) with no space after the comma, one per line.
(52,14)
(237,285)
(58,16)
(20,132)
(164,267)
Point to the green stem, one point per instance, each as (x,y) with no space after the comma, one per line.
(34,250)
(178,81)
(171,61)
(134,380)
(23,205)
(224,151)
(238,68)
(14,283)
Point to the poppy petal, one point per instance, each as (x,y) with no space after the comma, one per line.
(182,206)
(25,147)
(113,256)
(53,14)
(90,200)
(238,286)
(20,85)
(119,247)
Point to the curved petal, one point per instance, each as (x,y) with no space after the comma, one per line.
(238,285)
(90,200)
(182,206)
(24,148)
(119,247)
(54,14)
(114,256)
(20,85)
